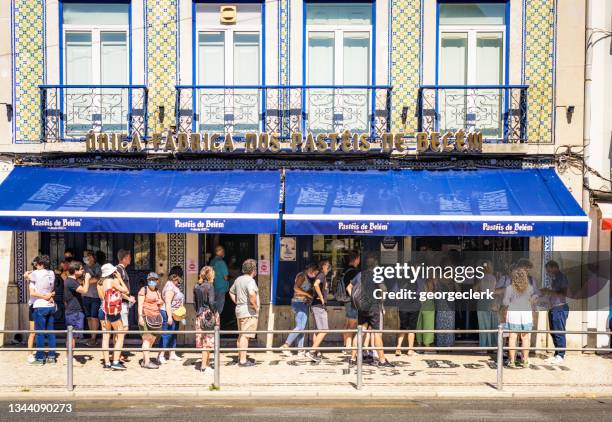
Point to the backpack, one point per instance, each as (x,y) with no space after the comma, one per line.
(206,315)
(340,293)
(112,302)
(357,295)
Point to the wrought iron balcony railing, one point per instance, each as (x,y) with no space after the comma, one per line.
(499,112)
(70,111)
(283,109)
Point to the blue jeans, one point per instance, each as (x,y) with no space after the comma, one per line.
(557,317)
(300,309)
(219,301)
(168,340)
(44,319)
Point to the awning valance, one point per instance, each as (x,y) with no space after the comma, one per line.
(140,201)
(483,202)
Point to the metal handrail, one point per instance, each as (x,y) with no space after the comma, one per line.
(474,87)
(283,87)
(69,86)
(359,333)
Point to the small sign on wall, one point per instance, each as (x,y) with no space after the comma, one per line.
(263,267)
(192,266)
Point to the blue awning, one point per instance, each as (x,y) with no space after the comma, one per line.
(140,201)
(483,202)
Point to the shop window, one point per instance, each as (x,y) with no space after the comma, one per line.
(335,249)
(338,52)
(472,38)
(95,53)
(229,55)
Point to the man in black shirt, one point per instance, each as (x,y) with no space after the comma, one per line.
(73,290)
(353,260)
(125,259)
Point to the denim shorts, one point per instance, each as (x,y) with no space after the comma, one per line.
(111,318)
(92,306)
(77,320)
(350,311)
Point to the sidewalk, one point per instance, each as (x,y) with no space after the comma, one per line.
(431,375)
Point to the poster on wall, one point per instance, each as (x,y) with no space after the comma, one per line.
(288,250)
(263,267)
(192,266)
(389,251)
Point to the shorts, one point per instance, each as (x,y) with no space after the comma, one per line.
(350,311)
(31,313)
(77,320)
(248,324)
(320,317)
(110,318)
(125,312)
(91,305)
(408,320)
(519,327)
(371,317)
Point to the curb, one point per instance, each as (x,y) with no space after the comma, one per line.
(212,395)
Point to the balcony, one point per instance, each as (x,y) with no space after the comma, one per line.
(499,112)
(70,111)
(283,109)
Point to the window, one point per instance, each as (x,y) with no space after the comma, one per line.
(338,49)
(95,53)
(471,48)
(229,56)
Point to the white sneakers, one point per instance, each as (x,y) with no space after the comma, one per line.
(554,360)
(175,357)
(162,359)
(31,358)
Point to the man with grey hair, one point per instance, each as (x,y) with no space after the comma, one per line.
(245,294)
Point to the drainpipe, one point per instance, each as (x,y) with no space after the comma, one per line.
(586,128)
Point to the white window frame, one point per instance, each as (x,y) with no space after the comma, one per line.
(339,32)
(228,40)
(96,48)
(472,32)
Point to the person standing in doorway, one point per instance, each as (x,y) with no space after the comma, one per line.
(559,309)
(369,310)
(245,294)
(319,309)
(487,311)
(73,291)
(43,280)
(221,277)
(173,300)
(150,303)
(519,297)
(125,259)
(91,301)
(354,260)
(300,304)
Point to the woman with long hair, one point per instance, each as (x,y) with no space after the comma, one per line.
(519,298)
(207,316)
(300,304)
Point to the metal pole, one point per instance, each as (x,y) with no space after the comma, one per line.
(500,357)
(69,356)
(359,357)
(217,381)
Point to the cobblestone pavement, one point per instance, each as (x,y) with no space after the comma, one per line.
(274,374)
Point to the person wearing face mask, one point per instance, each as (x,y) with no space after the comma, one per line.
(174,300)
(61,274)
(300,304)
(150,303)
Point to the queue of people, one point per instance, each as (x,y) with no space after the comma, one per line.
(100,295)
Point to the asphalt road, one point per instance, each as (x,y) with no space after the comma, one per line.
(264,410)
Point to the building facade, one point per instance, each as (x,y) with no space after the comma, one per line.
(75,73)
